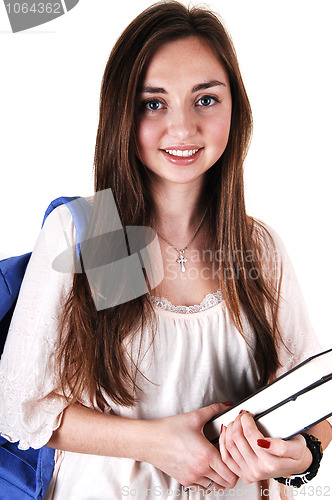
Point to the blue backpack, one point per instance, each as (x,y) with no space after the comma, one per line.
(26,474)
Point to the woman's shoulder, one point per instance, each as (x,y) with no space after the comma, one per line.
(271,250)
(266,236)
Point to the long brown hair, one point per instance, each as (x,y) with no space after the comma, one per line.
(92,357)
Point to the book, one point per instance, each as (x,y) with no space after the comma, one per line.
(292,403)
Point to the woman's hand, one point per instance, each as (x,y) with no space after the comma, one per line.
(179,448)
(252,457)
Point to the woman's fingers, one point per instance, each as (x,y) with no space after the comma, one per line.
(297,456)
(291,449)
(220,470)
(206,413)
(230,449)
(282,448)
(243,437)
(238,452)
(251,456)
(207,482)
(210,487)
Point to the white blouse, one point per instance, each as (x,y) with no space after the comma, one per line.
(198,358)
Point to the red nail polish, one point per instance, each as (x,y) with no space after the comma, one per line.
(263,443)
(228,403)
(221,428)
(241,411)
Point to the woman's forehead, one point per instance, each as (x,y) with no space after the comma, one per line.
(186,58)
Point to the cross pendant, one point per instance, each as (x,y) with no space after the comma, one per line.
(181,260)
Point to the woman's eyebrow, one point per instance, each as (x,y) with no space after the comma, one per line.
(152,90)
(208,85)
(200,86)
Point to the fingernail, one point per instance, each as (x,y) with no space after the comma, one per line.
(221,428)
(228,403)
(263,443)
(241,411)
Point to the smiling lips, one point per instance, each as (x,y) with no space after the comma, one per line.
(182,156)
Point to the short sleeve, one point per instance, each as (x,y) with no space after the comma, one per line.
(30,405)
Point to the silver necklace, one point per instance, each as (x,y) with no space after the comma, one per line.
(181,258)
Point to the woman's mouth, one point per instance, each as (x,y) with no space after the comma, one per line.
(182,156)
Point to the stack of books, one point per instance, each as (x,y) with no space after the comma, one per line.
(292,403)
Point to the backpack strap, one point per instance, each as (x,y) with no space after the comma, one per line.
(80,210)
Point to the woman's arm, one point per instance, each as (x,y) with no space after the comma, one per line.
(176,445)
(253,457)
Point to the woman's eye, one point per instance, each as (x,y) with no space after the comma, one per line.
(207,101)
(151,105)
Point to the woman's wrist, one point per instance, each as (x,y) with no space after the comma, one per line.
(314,446)
(305,462)
(142,440)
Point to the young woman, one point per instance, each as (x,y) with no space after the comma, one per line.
(123,393)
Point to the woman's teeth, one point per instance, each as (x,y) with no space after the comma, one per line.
(187,152)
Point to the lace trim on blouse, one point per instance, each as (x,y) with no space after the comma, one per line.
(210,300)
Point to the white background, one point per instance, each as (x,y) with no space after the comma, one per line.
(49,93)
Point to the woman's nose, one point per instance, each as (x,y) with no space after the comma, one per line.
(182,124)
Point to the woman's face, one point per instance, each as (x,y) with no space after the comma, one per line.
(183,111)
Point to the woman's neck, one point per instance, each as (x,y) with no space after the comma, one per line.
(178,209)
